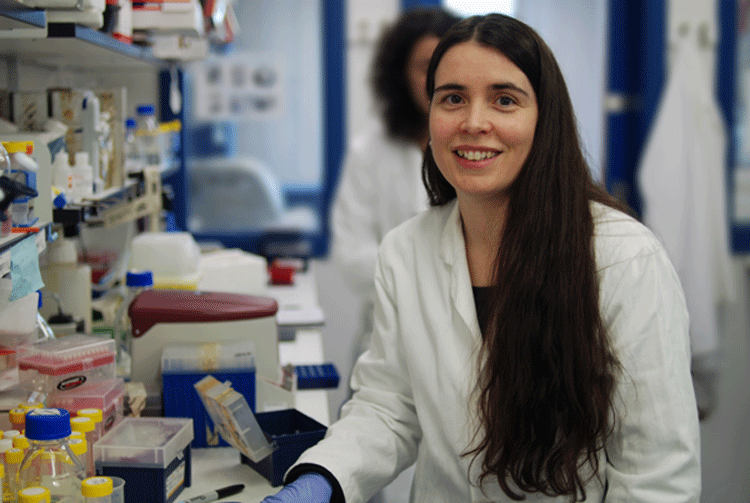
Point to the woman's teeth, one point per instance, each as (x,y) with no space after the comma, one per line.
(474,155)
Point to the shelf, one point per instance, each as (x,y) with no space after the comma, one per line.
(139,198)
(76,47)
(14,15)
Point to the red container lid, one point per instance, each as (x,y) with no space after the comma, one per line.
(183,306)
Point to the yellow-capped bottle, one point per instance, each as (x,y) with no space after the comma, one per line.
(13,458)
(79,448)
(34,494)
(97,490)
(17,418)
(86,426)
(97,416)
(21,442)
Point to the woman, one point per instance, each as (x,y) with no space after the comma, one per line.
(530,339)
(381,185)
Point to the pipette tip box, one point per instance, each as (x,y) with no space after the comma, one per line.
(152,455)
(183,366)
(293,433)
(67,363)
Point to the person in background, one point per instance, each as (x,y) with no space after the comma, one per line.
(530,337)
(381,183)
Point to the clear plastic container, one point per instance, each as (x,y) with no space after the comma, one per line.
(108,398)
(13,459)
(207,357)
(147,135)
(133,161)
(152,454)
(135,282)
(233,417)
(67,363)
(97,490)
(86,426)
(50,462)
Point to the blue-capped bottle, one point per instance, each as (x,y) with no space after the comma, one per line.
(147,135)
(135,282)
(49,461)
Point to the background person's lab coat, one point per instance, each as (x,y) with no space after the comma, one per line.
(381,187)
(415,382)
(682,180)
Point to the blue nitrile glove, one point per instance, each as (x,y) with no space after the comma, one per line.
(308,488)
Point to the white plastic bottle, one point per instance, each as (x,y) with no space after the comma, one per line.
(62,175)
(135,283)
(147,134)
(83,177)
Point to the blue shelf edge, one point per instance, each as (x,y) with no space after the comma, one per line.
(22,14)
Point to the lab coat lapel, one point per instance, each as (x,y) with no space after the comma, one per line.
(453,253)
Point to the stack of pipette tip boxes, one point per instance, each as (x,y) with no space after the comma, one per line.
(74,372)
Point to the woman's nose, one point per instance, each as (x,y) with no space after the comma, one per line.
(476,120)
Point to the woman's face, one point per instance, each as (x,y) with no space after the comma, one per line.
(483,116)
(416,70)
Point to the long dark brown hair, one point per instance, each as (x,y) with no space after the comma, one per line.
(402,117)
(547,371)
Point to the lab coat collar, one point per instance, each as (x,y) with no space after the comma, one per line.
(453,253)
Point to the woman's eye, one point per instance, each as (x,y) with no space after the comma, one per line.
(452,99)
(505,101)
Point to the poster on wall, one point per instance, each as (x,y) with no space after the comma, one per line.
(244,86)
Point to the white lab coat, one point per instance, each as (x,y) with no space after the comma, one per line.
(413,384)
(682,180)
(381,187)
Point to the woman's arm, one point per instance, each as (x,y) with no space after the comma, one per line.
(655,452)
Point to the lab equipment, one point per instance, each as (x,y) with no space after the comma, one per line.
(97,416)
(64,364)
(80,448)
(162,318)
(97,490)
(183,366)
(172,257)
(152,455)
(147,135)
(293,433)
(49,461)
(223,492)
(86,426)
(133,161)
(118,490)
(316,376)
(13,458)
(232,416)
(17,418)
(135,283)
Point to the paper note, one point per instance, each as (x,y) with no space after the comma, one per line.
(24,269)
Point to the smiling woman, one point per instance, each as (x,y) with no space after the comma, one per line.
(482,120)
(530,339)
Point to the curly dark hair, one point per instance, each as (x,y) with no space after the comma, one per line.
(547,384)
(403,118)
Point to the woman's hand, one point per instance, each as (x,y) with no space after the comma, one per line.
(308,488)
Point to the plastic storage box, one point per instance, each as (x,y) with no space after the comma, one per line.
(316,376)
(67,363)
(108,396)
(292,433)
(152,455)
(183,366)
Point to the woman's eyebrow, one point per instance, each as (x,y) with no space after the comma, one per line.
(509,85)
(498,87)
